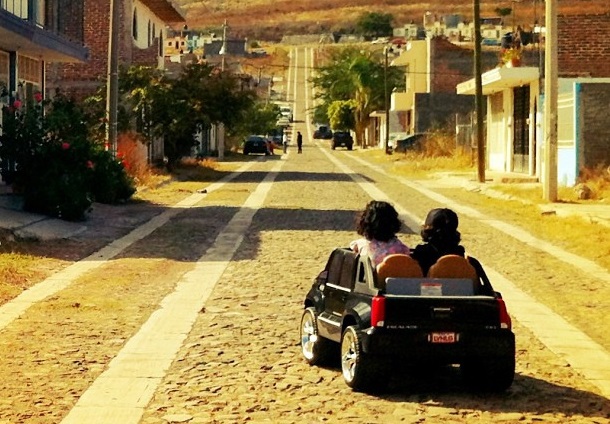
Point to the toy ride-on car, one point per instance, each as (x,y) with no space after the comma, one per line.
(379,318)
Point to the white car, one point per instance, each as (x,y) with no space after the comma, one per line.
(286,112)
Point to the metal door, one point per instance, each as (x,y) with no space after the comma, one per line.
(521,145)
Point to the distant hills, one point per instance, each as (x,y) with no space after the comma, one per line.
(269,20)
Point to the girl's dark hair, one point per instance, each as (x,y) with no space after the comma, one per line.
(378,221)
(440,228)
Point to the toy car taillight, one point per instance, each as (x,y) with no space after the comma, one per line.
(505,321)
(378,311)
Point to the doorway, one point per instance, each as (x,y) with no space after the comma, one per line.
(521,145)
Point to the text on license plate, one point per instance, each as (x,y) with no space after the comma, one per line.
(442,337)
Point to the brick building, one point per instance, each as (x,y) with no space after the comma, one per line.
(515,105)
(142,29)
(34,34)
(584,50)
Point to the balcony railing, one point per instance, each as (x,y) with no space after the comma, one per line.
(63,17)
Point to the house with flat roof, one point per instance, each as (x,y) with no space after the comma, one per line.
(515,105)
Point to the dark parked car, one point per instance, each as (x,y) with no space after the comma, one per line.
(342,139)
(323,132)
(410,142)
(377,321)
(256,144)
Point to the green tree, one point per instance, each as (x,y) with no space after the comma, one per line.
(358,76)
(503,11)
(341,114)
(374,24)
(259,118)
(156,105)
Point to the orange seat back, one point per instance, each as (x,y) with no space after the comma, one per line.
(397,265)
(453,266)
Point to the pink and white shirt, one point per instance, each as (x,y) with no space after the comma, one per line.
(377,250)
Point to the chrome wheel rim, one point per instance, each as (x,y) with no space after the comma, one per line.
(348,356)
(308,336)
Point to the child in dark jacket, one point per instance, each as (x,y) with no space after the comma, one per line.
(440,237)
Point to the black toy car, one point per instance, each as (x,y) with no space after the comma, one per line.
(256,144)
(342,139)
(379,325)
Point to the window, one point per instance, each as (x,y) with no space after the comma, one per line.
(134,26)
(149,33)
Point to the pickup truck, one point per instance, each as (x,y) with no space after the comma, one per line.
(375,326)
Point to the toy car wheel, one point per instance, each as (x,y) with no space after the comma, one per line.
(490,374)
(316,349)
(349,147)
(358,369)
(246,152)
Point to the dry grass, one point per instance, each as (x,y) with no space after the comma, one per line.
(271,19)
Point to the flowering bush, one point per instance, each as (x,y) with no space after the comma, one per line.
(53,161)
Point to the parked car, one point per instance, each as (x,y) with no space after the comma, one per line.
(378,321)
(409,142)
(256,144)
(342,139)
(323,132)
(286,112)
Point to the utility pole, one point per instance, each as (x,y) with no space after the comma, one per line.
(386,102)
(550,103)
(479,93)
(222,52)
(112,85)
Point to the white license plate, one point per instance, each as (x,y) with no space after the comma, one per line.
(443,338)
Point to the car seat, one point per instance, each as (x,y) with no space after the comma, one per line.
(454,266)
(397,265)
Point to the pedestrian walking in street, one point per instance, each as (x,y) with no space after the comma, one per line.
(285,141)
(299,142)
(379,224)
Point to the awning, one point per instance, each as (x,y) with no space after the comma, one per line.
(499,79)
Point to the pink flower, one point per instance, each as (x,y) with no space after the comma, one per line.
(17,104)
(38,97)
(65,145)
(89,164)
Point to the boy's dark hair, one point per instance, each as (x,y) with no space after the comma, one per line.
(440,227)
(378,221)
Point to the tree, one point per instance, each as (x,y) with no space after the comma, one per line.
(503,11)
(176,108)
(375,24)
(259,118)
(357,76)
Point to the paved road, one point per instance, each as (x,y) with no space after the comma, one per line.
(205,329)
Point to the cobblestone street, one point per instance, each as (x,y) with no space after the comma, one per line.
(197,319)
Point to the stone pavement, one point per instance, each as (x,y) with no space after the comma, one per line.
(25,225)
(104,396)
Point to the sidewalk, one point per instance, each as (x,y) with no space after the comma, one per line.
(592,212)
(31,226)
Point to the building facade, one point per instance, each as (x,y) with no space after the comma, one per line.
(142,30)
(34,33)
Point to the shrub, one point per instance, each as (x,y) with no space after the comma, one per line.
(54,162)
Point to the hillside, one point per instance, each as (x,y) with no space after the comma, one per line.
(270,19)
